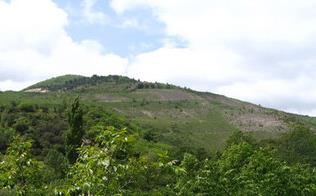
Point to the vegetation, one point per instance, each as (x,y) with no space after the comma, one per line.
(109,165)
(76,132)
(56,144)
(57,83)
(71,82)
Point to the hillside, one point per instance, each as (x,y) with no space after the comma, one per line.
(172,115)
(109,135)
(54,83)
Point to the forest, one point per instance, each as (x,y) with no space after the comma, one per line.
(78,149)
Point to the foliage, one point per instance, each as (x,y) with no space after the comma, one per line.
(298,146)
(76,131)
(107,168)
(247,170)
(108,165)
(6,135)
(96,172)
(58,162)
(238,137)
(19,172)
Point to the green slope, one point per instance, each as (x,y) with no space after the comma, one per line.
(176,116)
(55,83)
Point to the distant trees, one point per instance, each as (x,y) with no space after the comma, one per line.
(75,82)
(298,146)
(76,132)
(156,85)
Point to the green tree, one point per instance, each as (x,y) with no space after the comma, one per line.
(238,137)
(298,146)
(244,169)
(19,172)
(75,132)
(108,168)
(58,162)
(97,169)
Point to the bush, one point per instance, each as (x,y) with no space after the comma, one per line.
(21,125)
(6,134)
(27,107)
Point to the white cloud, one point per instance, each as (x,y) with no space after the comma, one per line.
(131,23)
(214,20)
(261,51)
(34,45)
(92,16)
(9,84)
(169,64)
(122,6)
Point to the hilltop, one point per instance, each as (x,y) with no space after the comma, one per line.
(98,83)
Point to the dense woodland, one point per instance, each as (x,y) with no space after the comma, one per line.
(75,149)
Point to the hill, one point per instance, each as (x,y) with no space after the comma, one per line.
(176,116)
(54,83)
(128,137)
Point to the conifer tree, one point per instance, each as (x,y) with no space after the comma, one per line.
(75,132)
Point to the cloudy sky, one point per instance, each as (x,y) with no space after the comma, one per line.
(261,51)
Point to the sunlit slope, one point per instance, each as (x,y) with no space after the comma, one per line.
(174,115)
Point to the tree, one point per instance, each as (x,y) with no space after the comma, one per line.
(238,137)
(97,169)
(58,162)
(244,169)
(76,131)
(108,167)
(19,171)
(298,146)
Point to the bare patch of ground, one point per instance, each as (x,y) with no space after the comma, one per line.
(110,98)
(37,90)
(167,94)
(148,113)
(252,118)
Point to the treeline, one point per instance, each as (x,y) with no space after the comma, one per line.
(156,85)
(75,82)
(105,160)
(72,83)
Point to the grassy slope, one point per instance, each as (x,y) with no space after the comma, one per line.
(177,116)
(57,81)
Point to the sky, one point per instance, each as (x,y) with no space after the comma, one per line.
(261,51)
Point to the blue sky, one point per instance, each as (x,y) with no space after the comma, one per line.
(127,40)
(260,51)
